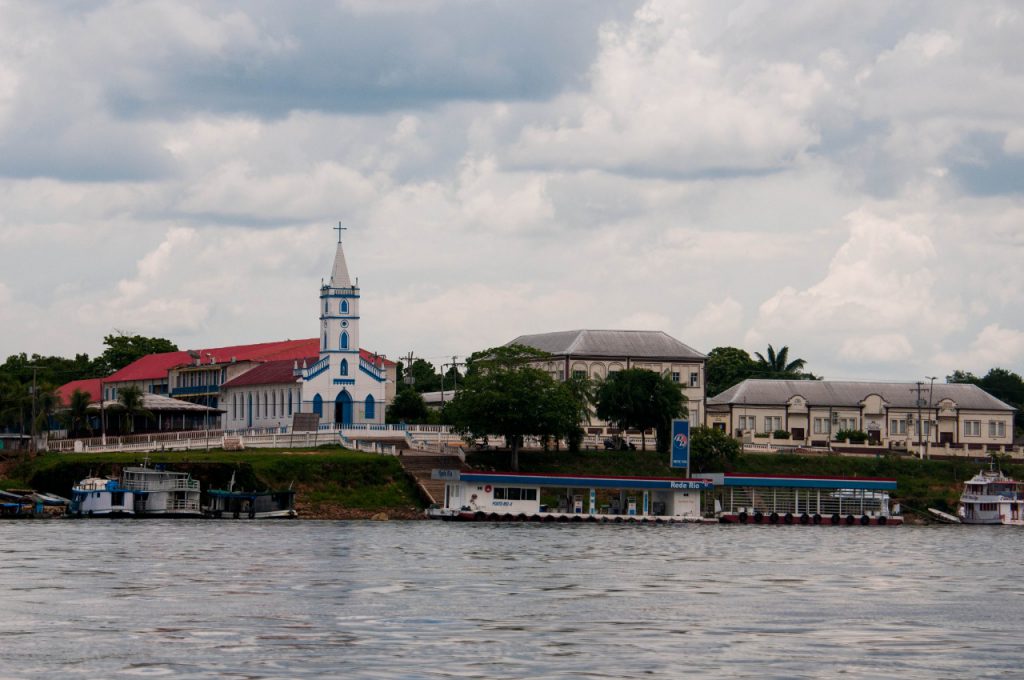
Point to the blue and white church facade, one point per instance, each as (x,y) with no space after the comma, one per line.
(346,385)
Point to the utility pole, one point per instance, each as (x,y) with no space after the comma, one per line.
(409,378)
(931,385)
(32,424)
(920,427)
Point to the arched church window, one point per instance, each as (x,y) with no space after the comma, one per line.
(370,407)
(318,405)
(343,344)
(344,307)
(344,366)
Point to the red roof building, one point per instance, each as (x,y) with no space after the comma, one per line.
(90,386)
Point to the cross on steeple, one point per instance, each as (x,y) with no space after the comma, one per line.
(340,229)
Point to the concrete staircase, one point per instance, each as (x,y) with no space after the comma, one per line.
(419,467)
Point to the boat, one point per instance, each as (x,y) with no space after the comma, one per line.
(990,497)
(101,497)
(159,492)
(231,504)
(943,517)
(22,504)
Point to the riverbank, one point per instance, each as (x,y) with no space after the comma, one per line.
(920,484)
(330,482)
(333,483)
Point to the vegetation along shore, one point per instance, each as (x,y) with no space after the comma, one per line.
(333,483)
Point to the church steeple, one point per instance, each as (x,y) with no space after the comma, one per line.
(339,275)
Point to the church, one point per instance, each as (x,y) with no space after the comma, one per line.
(264,385)
(344,386)
(341,383)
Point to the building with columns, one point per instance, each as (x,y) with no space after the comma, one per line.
(896,415)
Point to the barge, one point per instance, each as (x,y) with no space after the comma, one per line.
(805,500)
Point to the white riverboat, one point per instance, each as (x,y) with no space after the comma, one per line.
(101,497)
(162,493)
(990,497)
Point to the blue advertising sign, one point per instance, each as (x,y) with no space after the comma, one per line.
(680,443)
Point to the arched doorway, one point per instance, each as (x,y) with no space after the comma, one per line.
(343,408)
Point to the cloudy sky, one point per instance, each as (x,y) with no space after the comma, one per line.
(845,178)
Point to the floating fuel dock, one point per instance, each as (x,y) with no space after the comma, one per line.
(727,498)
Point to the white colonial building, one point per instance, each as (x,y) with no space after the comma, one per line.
(895,415)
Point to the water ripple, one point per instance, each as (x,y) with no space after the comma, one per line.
(186,599)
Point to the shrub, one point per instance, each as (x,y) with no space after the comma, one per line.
(781,434)
(852,436)
(761,435)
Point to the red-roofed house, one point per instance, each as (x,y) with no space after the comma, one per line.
(265,384)
(90,386)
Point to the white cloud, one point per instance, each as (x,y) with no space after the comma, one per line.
(993,347)
(659,104)
(837,177)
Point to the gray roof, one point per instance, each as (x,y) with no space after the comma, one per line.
(851,393)
(591,343)
(159,402)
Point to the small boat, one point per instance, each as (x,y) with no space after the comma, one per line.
(231,504)
(101,497)
(990,497)
(944,517)
(162,493)
(22,504)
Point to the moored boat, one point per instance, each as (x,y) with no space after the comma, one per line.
(990,497)
(101,497)
(231,504)
(162,493)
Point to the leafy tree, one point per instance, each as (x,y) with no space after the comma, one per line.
(123,349)
(712,450)
(727,366)
(640,399)
(963,377)
(425,376)
(507,396)
(777,365)
(408,407)
(581,390)
(76,417)
(131,401)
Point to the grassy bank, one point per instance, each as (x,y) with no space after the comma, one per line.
(921,484)
(330,482)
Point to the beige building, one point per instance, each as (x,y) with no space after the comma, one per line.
(812,411)
(595,354)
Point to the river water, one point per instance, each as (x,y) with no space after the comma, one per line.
(163,598)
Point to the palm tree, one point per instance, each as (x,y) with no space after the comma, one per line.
(776,366)
(76,417)
(130,399)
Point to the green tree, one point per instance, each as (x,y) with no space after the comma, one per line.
(727,366)
(76,416)
(640,399)
(123,349)
(777,365)
(407,407)
(130,400)
(712,450)
(425,377)
(582,393)
(507,396)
